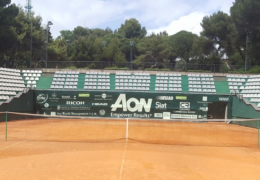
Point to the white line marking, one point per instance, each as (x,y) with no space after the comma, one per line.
(123,162)
(21,142)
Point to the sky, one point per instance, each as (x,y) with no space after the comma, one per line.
(164,15)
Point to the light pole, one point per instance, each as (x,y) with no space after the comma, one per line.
(246,60)
(67,42)
(47,41)
(131,54)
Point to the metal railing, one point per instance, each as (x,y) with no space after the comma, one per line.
(177,66)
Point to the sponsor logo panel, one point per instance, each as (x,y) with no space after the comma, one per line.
(84,95)
(165,98)
(132,104)
(41,98)
(224,99)
(184,105)
(184,116)
(99,104)
(103,97)
(161,106)
(181,97)
(166,115)
(158,115)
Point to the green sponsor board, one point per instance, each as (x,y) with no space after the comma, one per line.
(126,105)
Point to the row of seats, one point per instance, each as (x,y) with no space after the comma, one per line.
(200,79)
(170,78)
(168,75)
(250,91)
(166,82)
(97,73)
(31,79)
(236,80)
(203,86)
(64,83)
(32,75)
(12,81)
(251,95)
(4,98)
(132,77)
(203,90)
(132,84)
(133,88)
(235,84)
(97,77)
(67,72)
(63,79)
(236,76)
(255,100)
(203,82)
(170,85)
(11,89)
(168,89)
(10,73)
(254,76)
(97,87)
(11,77)
(63,87)
(254,80)
(132,81)
(64,76)
(97,84)
(12,85)
(200,75)
(9,70)
(253,84)
(32,71)
(10,93)
(97,80)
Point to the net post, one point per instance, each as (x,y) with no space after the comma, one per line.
(126,129)
(6,125)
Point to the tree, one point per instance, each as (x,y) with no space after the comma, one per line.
(246,17)
(152,49)
(8,12)
(220,30)
(181,43)
(132,29)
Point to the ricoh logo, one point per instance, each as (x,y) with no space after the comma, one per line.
(132,104)
(75,103)
(223,99)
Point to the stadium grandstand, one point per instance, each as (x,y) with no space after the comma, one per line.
(46,92)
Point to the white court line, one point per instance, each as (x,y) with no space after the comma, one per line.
(21,142)
(123,162)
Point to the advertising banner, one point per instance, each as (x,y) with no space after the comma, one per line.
(126,105)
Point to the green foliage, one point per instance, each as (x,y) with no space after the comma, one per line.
(156,69)
(117,68)
(132,29)
(92,66)
(224,68)
(205,71)
(223,35)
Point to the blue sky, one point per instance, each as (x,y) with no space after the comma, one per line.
(170,15)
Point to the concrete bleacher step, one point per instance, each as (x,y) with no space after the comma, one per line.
(185,84)
(222,87)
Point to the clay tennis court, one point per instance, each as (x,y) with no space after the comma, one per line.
(98,149)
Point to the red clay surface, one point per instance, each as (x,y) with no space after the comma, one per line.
(88,149)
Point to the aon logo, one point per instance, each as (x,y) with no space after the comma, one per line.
(121,102)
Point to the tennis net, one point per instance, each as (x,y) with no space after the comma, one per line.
(213,132)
